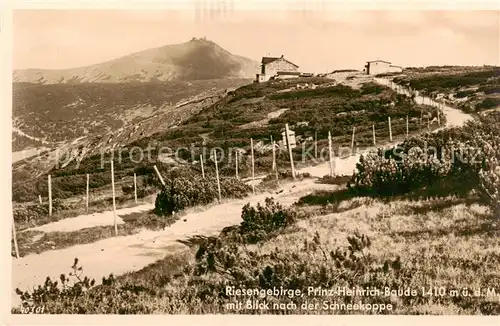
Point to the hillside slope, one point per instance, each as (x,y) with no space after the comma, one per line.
(64,112)
(193,60)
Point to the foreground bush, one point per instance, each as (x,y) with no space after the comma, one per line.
(190,190)
(470,153)
(261,221)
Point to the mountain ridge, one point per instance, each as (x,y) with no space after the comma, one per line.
(197,59)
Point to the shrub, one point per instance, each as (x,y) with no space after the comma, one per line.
(334,180)
(31,212)
(470,153)
(259,222)
(181,192)
(286,175)
(488,103)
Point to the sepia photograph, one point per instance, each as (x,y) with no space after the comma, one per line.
(295,159)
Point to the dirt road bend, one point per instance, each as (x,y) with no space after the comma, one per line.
(122,254)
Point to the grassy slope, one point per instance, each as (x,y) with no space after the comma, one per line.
(447,242)
(333,108)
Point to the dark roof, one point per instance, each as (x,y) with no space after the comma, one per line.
(293,73)
(266,60)
(378,61)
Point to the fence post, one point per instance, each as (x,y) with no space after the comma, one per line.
(236,164)
(374,139)
(40,199)
(316,145)
(407,127)
(330,159)
(202,169)
(274,156)
(289,150)
(421,118)
(439,117)
(135,188)
(274,160)
(159,176)
(114,201)
(87,199)
(253,166)
(14,237)
(390,130)
(352,141)
(428,124)
(217,176)
(50,195)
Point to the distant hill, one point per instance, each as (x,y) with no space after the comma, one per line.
(198,59)
(49,114)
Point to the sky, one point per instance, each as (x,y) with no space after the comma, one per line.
(317,40)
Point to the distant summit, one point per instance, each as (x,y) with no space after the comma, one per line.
(197,59)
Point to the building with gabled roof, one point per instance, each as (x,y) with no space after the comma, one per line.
(376,67)
(270,66)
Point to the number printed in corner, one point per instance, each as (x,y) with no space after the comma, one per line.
(33,310)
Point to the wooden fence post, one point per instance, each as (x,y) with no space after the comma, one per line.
(114,200)
(236,163)
(390,130)
(374,139)
(202,169)
(428,124)
(159,176)
(40,199)
(316,145)
(135,188)
(289,150)
(87,199)
(14,237)
(330,158)
(352,141)
(274,156)
(50,195)
(253,166)
(407,127)
(217,176)
(274,160)
(421,118)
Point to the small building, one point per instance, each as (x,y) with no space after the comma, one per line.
(270,66)
(291,137)
(381,67)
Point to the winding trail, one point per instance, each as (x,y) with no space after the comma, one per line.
(454,117)
(122,254)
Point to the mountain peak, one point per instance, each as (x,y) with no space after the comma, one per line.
(197,59)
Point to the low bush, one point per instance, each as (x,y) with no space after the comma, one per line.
(286,175)
(261,221)
(189,190)
(470,153)
(32,212)
(334,180)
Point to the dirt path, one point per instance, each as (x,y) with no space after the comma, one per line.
(454,117)
(91,220)
(122,254)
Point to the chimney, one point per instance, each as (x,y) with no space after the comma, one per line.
(282,56)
